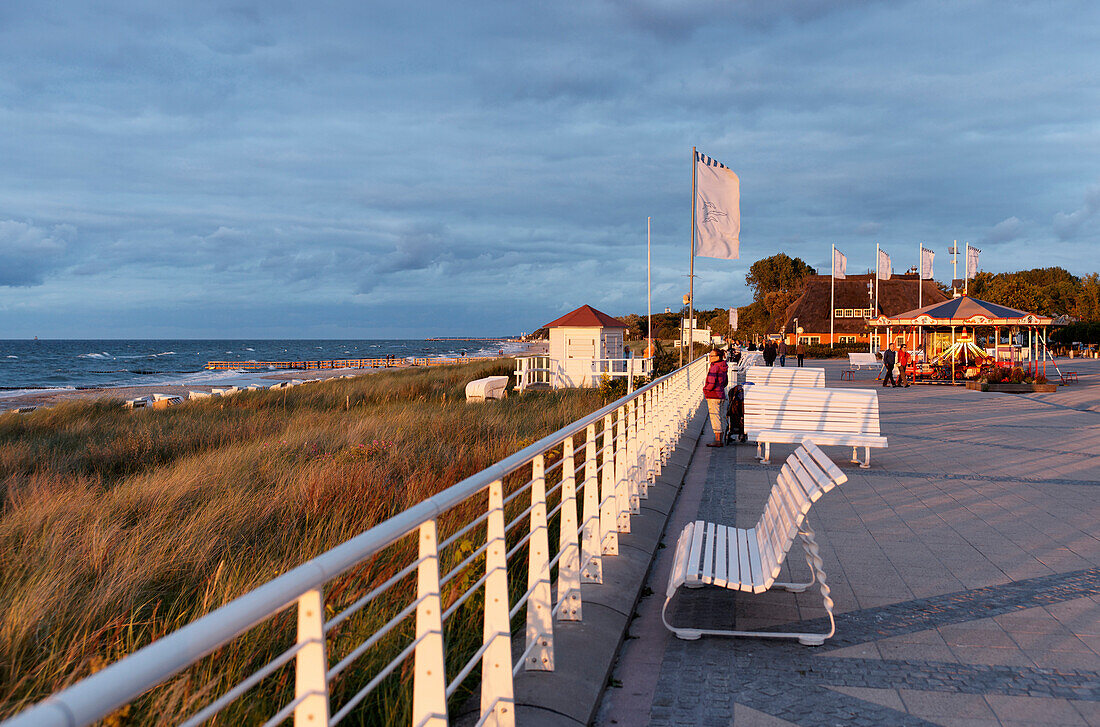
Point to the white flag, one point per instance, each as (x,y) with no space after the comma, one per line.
(884,268)
(717,209)
(971,261)
(840,264)
(926,257)
(733,319)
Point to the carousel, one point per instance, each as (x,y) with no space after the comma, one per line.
(964,338)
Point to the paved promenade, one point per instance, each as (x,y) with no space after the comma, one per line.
(965,566)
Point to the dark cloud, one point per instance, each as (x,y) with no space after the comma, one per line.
(1005,231)
(448,158)
(29,253)
(1068,225)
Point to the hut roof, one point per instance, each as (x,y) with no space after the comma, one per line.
(899,293)
(586,317)
(964,309)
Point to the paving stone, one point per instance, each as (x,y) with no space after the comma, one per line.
(979,521)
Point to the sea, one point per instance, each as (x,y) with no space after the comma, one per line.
(28,366)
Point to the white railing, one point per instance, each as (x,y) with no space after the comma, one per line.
(622,367)
(601,478)
(532,370)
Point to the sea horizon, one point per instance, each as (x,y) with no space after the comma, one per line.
(35,365)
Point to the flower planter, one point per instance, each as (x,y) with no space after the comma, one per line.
(1012,388)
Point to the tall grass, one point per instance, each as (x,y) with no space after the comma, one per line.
(118,527)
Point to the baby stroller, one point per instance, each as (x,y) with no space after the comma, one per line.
(735,413)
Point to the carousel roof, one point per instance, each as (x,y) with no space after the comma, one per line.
(963,310)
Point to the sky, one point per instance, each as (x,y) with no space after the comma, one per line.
(402,170)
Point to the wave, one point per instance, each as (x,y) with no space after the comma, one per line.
(13,357)
(95,355)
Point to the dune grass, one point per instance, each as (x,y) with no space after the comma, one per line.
(118,527)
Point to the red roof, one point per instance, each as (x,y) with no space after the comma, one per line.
(587,316)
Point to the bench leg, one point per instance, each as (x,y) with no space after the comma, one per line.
(758,454)
(855,456)
(866,463)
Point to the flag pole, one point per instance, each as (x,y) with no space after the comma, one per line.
(649,289)
(832,294)
(920,292)
(966,271)
(920,275)
(878,257)
(691,271)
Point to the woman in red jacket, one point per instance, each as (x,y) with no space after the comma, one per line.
(714,391)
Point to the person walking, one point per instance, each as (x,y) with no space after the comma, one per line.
(714,391)
(783,352)
(800,351)
(769,353)
(889,358)
(903,363)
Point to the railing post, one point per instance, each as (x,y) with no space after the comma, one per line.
(622,481)
(569,581)
(497,700)
(429,675)
(633,453)
(540,621)
(310,664)
(609,527)
(591,547)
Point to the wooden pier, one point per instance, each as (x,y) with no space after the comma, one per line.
(349,363)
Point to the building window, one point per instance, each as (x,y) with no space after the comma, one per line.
(870,312)
(838,313)
(849,313)
(847,339)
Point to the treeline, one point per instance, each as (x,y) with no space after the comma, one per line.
(777,282)
(1050,292)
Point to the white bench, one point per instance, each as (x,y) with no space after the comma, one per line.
(771,376)
(859,360)
(750,358)
(491,387)
(750,560)
(846,417)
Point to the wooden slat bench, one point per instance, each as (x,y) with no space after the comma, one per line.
(846,417)
(859,360)
(794,376)
(750,560)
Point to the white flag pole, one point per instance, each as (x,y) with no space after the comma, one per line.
(832,294)
(691,269)
(966,271)
(920,275)
(878,273)
(649,290)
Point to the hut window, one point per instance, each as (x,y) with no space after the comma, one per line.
(847,339)
(870,312)
(838,313)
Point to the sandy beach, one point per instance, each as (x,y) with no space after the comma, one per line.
(50,397)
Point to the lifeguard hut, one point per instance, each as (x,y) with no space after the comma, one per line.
(580,342)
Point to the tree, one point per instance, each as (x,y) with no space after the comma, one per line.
(776,273)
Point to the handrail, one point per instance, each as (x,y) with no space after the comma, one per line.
(642,425)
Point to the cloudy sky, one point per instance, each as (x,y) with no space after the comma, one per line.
(372,169)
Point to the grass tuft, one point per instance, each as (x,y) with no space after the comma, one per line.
(118,527)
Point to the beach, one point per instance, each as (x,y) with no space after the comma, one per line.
(52,397)
(46,373)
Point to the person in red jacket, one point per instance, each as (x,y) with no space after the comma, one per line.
(714,391)
(903,363)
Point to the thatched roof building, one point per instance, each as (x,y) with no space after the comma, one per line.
(852,308)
